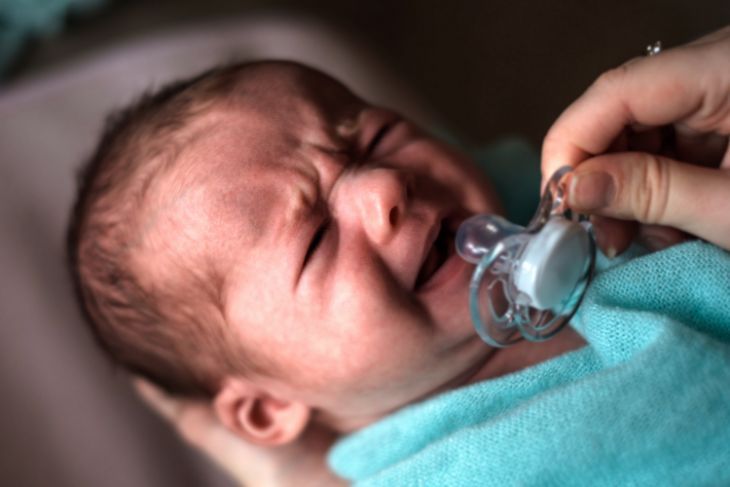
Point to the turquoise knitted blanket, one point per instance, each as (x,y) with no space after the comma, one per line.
(647,402)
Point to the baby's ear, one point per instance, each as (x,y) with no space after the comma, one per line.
(259,417)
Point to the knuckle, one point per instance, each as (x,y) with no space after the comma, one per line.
(713,112)
(650,196)
(613,77)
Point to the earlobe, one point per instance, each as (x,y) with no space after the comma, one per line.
(259,417)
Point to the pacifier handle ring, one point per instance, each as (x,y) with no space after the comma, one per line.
(547,203)
(535,317)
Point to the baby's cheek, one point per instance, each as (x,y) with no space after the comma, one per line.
(383,350)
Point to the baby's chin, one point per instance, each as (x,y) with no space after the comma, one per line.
(448,303)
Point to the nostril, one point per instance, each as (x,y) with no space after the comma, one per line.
(393,216)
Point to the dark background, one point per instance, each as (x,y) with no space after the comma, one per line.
(489,68)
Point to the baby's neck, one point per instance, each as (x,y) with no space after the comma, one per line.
(504,361)
(524,354)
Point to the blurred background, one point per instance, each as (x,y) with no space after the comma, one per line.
(482,69)
(487,67)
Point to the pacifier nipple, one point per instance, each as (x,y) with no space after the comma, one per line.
(529,279)
(479,234)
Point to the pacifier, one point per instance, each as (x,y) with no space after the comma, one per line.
(529,281)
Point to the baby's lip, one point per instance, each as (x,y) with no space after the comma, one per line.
(451,265)
(428,243)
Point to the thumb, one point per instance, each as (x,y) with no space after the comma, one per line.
(657,190)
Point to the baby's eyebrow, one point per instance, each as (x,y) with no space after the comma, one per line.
(348,125)
(301,193)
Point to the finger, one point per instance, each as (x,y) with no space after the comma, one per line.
(659,237)
(656,190)
(613,236)
(713,37)
(679,85)
(198,425)
(194,419)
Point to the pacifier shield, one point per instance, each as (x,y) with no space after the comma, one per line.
(527,280)
(552,263)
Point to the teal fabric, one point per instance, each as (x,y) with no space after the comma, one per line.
(21,20)
(646,402)
(513,167)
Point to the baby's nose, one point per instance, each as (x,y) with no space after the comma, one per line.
(380,196)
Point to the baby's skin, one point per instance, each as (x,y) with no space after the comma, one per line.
(330,222)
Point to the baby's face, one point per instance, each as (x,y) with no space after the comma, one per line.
(330,222)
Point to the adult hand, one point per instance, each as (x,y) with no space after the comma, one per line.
(649,141)
(300,463)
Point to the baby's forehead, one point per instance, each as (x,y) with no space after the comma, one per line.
(223,174)
(282,79)
(235,155)
(285,94)
(222,188)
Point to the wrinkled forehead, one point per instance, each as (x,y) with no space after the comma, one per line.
(293,97)
(250,156)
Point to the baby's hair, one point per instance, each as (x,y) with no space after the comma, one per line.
(151,331)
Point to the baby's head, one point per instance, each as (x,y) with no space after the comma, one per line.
(261,236)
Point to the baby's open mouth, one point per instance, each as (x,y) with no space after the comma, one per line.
(443,247)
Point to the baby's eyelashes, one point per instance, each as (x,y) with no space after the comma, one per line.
(314,244)
(377,138)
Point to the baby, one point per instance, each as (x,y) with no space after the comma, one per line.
(263,238)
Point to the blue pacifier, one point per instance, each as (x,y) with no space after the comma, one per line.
(528,279)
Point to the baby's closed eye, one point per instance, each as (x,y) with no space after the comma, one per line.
(316,240)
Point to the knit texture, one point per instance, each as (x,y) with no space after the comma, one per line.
(647,402)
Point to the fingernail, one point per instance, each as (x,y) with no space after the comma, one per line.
(603,243)
(611,252)
(591,191)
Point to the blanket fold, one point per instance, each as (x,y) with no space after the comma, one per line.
(646,402)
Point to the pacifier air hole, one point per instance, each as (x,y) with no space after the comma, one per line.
(528,281)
